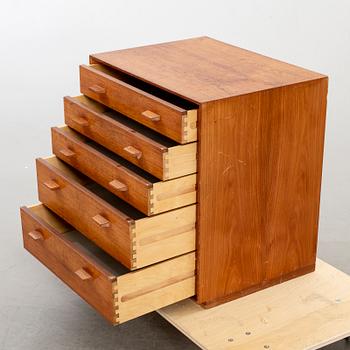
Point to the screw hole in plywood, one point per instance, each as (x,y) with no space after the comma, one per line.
(230,340)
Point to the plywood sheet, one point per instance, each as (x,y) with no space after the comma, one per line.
(306,313)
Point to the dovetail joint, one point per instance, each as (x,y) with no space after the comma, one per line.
(185,128)
(133,246)
(151,201)
(115,302)
(166,164)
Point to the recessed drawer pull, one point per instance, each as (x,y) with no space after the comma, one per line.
(119,186)
(36,235)
(101,221)
(83,274)
(52,185)
(80,121)
(133,151)
(154,117)
(97,89)
(67,152)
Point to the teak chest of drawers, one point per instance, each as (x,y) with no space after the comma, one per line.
(186,169)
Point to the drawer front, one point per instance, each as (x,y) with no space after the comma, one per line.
(124,141)
(157,114)
(49,246)
(99,221)
(108,173)
(117,294)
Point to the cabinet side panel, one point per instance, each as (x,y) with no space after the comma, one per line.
(260,165)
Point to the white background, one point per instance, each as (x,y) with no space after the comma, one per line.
(43,42)
(41,45)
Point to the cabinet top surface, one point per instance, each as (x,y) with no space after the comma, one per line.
(204,69)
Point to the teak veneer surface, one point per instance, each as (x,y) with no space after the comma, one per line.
(203,69)
(260,163)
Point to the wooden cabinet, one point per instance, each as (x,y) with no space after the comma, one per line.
(195,163)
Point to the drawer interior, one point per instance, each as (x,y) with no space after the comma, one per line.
(122,206)
(125,121)
(151,89)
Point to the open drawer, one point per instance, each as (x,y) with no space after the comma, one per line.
(105,284)
(156,154)
(159,110)
(118,228)
(137,187)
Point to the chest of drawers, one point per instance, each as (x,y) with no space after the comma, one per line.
(186,169)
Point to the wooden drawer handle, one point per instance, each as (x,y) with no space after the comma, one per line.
(67,152)
(101,221)
(83,274)
(36,235)
(119,186)
(52,185)
(133,151)
(154,117)
(97,89)
(80,121)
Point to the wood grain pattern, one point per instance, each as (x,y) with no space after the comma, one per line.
(306,313)
(101,168)
(133,142)
(180,161)
(167,195)
(114,135)
(134,102)
(260,147)
(260,163)
(153,287)
(78,206)
(101,281)
(177,235)
(54,251)
(144,192)
(204,69)
(112,224)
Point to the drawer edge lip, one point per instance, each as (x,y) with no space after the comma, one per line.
(81,188)
(133,88)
